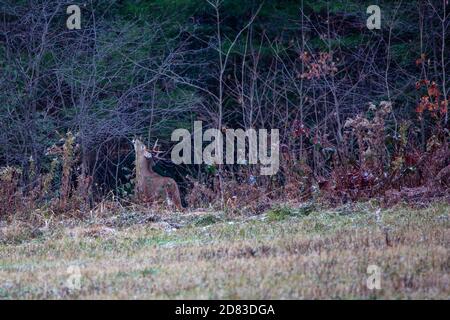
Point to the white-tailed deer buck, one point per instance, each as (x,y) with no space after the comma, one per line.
(150,186)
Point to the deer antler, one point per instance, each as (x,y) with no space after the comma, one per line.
(156,151)
(155,146)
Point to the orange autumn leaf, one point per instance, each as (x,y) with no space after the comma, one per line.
(444,107)
(418,85)
(433,90)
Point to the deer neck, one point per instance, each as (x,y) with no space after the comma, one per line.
(144,166)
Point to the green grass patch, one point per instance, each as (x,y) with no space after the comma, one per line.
(206,220)
(283,212)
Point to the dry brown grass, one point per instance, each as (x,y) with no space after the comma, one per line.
(285,254)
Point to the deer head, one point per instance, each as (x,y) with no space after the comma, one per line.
(144,157)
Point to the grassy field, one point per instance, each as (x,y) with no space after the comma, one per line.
(291,252)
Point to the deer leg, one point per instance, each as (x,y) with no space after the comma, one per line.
(173,195)
(176,196)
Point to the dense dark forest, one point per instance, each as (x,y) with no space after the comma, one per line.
(362,113)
